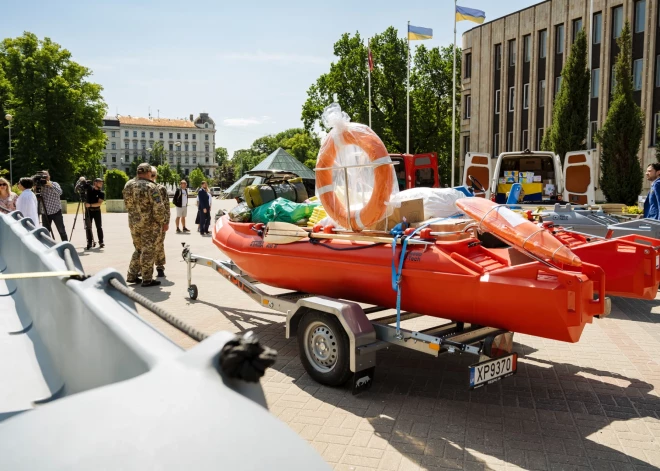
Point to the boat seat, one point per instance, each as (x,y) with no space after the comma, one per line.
(30,378)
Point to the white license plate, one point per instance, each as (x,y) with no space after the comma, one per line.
(490,371)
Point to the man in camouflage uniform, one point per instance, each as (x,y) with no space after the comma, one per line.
(160,243)
(146,218)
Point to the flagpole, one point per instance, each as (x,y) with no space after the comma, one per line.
(408,96)
(590,44)
(369,75)
(453,107)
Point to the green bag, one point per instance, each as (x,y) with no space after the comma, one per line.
(283,210)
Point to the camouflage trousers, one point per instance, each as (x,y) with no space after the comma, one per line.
(160,250)
(144,256)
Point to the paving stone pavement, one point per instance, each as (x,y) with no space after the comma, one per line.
(593,405)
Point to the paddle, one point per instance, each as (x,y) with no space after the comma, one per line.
(285,233)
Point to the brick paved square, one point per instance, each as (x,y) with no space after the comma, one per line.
(591,405)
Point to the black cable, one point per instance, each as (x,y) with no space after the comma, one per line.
(317,242)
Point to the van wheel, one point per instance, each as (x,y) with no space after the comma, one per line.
(324,348)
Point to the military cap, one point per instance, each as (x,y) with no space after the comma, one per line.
(144,168)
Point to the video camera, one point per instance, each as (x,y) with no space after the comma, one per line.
(83,184)
(40,179)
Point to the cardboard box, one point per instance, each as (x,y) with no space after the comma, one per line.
(412,210)
(531,164)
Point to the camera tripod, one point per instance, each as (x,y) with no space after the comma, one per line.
(86,219)
(42,206)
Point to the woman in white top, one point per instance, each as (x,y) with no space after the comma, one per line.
(26,202)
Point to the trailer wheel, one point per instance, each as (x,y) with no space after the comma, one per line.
(324,348)
(193,292)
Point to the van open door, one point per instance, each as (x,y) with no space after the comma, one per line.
(478,166)
(578,175)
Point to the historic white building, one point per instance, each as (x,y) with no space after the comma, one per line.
(190,143)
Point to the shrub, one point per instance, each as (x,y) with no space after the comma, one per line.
(115,180)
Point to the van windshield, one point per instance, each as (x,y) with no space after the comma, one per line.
(536,174)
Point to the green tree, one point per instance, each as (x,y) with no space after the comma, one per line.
(114,180)
(196,178)
(221,155)
(569,115)
(621,134)
(165,174)
(157,154)
(57,110)
(132,169)
(223,176)
(303,146)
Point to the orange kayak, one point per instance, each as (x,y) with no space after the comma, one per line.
(458,280)
(517,231)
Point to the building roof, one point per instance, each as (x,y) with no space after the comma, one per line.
(506,16)
(282,160)
(156,122)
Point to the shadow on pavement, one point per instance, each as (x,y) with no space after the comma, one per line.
(550,415)
(241,317)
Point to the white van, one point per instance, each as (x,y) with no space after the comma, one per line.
(541,174)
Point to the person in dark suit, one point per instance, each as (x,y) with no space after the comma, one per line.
(204,208)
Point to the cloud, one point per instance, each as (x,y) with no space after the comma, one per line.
(242,122)
(284,58)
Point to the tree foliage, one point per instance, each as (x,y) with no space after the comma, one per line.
(223,175)
(570,120)
(621,134)
(157,154)
(196,178)
(430,94)
(221,155)
(57,111)
(114,181)
(166,175)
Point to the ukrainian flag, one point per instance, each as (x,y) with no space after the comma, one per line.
(417,32)
(470,14)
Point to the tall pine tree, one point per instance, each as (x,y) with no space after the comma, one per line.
(569,116)
(621,134)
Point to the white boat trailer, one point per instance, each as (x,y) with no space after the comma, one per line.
(337,339)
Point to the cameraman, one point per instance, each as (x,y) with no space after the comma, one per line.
(93,201)
(50,196)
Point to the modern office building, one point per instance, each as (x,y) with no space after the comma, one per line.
(512,71)
(190,143)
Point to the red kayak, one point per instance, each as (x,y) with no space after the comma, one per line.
(456,280)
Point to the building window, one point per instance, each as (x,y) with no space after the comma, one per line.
(497,102)
(512,53)
(512,98)
(194,137)
(135,145)
(592,136)
(134,133)
(541,93)
(171,159)
(207,160)
(559,39)
(206,147)
(142,134)
(112,133)
(598,27)
(206,125)
(466,144)
(194,159)
(577,27)
(114,157)
(144,146)
(595,83)
(467,70)
(127,157)
(171,135)
(509,142)
(151,134)
(657,71)
(617,21)
(187,172)
(125,133)
(160,135)
(194,147)
(206,137)
(527,48)
(526,96)
(178,135)
(105,158)
(525,139)
(656,123)
(558,81)
(468,106)
(171,147)
(543,43)
(637,74)
(186,136)
(640,16)
(498,56)
(186,147)
(126,145)
(187,160)
(114,145)
(496,145)
(539,137)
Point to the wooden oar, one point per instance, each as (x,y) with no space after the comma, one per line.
(285,233)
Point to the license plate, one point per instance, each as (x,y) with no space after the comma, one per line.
(489,371)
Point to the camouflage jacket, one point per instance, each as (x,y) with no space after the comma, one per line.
(165,199)
(144,204)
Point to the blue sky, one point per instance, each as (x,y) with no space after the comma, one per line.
(249,64)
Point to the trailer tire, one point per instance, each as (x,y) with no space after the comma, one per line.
(324,348)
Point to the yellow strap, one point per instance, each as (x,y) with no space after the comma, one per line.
(39,274)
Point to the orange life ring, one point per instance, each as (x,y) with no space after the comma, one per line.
(363,137)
